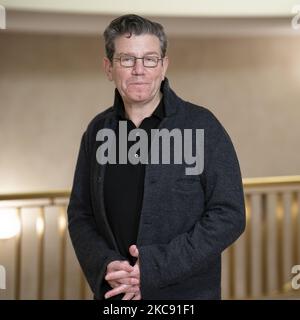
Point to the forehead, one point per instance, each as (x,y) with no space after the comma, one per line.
(137,45)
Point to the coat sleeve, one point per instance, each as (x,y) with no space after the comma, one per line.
(221,223)
(90,247)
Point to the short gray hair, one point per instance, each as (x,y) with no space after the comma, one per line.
(132,24)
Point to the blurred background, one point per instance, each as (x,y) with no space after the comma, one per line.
(239,59)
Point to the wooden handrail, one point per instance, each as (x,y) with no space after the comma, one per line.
(35,195)
(271,181)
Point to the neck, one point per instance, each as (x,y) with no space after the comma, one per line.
(137,112)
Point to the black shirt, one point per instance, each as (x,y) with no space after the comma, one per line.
(124,184)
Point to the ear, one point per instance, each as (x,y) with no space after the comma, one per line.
(107,66)
(165,67)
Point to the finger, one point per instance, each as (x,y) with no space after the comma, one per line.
(116,291)
(128,296)
(124,288)
(113,283)
(129,280)
(126,266)
(119,265)
(134,289)
(117,275)
(137,297)
(135,273)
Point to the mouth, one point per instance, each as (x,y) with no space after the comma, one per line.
(138,83)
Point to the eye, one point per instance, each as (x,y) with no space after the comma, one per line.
(126,58)
(150,59)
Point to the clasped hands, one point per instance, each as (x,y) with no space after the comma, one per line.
(124,278)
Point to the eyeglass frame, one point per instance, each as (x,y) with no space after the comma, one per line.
(135,58)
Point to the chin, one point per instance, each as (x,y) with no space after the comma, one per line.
(139,97)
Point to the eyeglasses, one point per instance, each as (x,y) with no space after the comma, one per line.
(130,61)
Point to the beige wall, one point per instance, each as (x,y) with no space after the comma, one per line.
(51,86)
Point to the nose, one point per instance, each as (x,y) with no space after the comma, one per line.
(138,68)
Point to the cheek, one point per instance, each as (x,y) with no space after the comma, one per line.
(159,76)
(118,80)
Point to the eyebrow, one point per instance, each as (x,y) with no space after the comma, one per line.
(132,54)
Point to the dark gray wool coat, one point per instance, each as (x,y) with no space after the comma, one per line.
(186,220)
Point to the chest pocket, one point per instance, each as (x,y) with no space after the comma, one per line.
(188,196)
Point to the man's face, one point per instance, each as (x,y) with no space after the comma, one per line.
(137,84)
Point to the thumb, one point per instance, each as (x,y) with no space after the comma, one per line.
(133,250)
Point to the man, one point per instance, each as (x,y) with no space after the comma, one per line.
(150,230)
